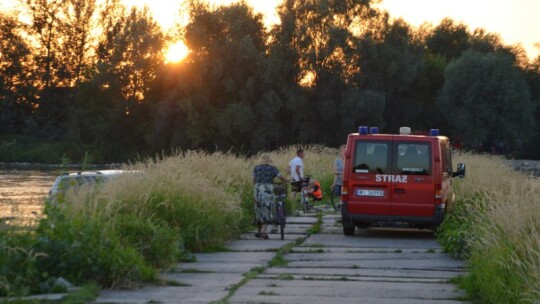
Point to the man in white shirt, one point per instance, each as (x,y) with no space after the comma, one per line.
(296,167)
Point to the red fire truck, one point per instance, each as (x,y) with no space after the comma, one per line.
(397,178)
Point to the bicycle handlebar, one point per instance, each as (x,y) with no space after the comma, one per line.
(306,180)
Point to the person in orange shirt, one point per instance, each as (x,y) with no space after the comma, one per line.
(314,190)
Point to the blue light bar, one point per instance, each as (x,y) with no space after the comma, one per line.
(434,132)
(374,130)
(363,130)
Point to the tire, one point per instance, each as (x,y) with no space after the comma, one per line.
(305,200)
(333,198)
(282,226)
(348,230)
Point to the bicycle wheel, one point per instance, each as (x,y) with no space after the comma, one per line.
(282,226)
(305,201)
(333,198)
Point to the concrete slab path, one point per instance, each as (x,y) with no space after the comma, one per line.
(373,266)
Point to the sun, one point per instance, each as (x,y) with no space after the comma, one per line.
(176,52)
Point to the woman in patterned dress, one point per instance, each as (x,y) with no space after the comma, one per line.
(263,178)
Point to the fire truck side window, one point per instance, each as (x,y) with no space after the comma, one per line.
(444,156)
(448,158)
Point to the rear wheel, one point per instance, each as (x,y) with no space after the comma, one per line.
(303,202)
(282,226)
(305,205)
(348,230)
(334,198)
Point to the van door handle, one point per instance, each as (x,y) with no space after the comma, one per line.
(399,190)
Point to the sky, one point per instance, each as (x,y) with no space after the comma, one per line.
(517,21)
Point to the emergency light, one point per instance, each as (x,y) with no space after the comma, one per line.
(363,130)
(405,131)
(374,130)
(434,132)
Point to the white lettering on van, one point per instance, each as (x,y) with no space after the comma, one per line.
(388,178)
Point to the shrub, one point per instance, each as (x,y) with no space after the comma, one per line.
(80,250)
(159,245)
(18,273)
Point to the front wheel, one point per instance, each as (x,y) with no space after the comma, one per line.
(334,198)
(305,204)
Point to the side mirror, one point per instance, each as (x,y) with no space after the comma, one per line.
(460,171)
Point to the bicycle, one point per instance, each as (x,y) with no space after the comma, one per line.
(307,205)
(280,193)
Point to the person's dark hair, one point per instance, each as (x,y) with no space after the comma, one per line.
(299,151)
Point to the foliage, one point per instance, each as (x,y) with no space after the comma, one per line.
(18,272)
(213,100)
(92,73)
(316,228)
(448,39)
(124,231)
(85,294)
(15,81)
(121,233)
(495,226)
(79,249)
(452,232)
(158,243)
(485,99)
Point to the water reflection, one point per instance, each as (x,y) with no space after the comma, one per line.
(23,192)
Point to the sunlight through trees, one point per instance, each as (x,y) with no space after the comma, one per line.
(108,77)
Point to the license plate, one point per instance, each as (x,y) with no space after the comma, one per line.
(366,192)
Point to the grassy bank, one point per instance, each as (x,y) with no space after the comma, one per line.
(122,233)
(496,226)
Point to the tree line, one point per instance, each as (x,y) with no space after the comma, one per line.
(92,73)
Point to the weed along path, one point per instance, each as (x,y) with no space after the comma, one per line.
(216,276)
(373,266)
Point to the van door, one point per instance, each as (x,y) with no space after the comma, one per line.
(413,189)
(446,175)
(368,194)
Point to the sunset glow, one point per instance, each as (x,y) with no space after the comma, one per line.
(176,52)
(515,21)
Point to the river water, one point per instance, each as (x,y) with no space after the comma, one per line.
(23,192)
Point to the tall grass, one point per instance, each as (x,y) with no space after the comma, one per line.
(122,232)
(496,225)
